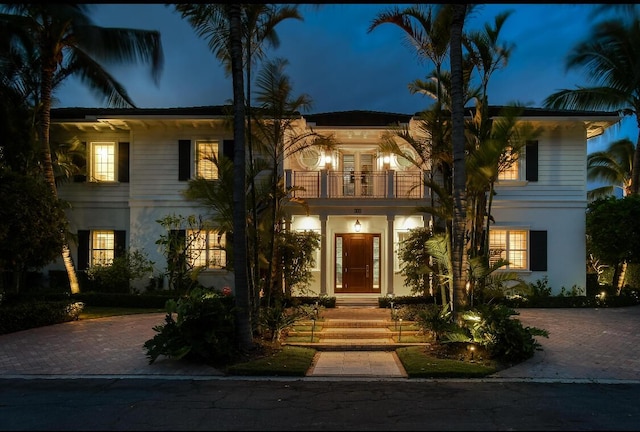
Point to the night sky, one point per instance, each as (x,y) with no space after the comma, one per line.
(341,67)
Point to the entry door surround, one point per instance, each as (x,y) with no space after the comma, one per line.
(357,263)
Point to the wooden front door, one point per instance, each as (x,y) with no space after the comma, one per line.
(357,263)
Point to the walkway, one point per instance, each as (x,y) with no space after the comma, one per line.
(584,344)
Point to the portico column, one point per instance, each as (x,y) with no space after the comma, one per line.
(390,256)
(323,254)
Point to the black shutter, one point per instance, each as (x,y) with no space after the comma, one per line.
(184,160)
(81,163)
(83,249)
(228,149)
(538,250)
(123,162)
(120,245)
(177,237)
(531,154)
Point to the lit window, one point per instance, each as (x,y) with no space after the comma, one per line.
(207,153)
(207,249)
(510,245)
(102,247)
(511,167)
(103,166)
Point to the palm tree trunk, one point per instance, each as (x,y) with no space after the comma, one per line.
(243,303)
(635,169)
(44,126)
(458,260)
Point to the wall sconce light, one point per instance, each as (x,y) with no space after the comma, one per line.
(219,238)
(327,162)
(386,162)
(357,226)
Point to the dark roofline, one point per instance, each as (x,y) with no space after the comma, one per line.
(335,118)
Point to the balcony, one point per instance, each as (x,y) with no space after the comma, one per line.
(357,184)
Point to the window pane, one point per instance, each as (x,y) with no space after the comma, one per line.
(376,262)
(338,261)
(207,249)
(517,249)
(207,152)
(197,247)
(511,168)
(497,245)
(104,166)
(509,245)
(102,247)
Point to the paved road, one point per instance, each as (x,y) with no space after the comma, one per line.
(314,404)
(93,375)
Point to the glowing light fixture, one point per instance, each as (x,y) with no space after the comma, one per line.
(386,162)
(357,226)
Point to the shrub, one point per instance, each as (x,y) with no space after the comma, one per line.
(156,300)
(435,319)
(117,276)
(276,319)
(203,330)
(27,315)
(492,327)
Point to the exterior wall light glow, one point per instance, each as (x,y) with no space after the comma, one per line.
(357,227)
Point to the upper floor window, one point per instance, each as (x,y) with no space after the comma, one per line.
(511,167)
(102,247)
(103,161)
(510,245)
(207,249)
(207,152)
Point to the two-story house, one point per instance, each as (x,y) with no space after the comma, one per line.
(362,201)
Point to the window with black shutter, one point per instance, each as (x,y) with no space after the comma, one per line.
(83,249)
(120,245)
(80,161)
(228,149)
(538,241)
(184,160)
(531,152)
(123,162)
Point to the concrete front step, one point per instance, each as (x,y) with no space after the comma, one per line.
(345,334)
(354,333)
(350,323)
(364,345)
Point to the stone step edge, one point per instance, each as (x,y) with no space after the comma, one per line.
(355,347)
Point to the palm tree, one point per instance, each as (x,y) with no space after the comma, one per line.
(458,255)
(427,30)
(609,56)
(612,166)
(259,22)
(65,43)
(277,138)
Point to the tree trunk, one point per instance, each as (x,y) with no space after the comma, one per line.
(458,238)
(243,303)
(44,126)
(635,170)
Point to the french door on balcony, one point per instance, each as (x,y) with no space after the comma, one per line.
(357,263)
(357,177)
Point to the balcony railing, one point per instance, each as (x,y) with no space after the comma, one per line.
(357,184)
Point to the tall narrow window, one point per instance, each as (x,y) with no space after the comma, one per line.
(339,262)
(102,247)
(207,249)
(103,162)
(510,245)
(207,153)
(376,263)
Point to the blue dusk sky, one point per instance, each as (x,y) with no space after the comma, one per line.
(341,67)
